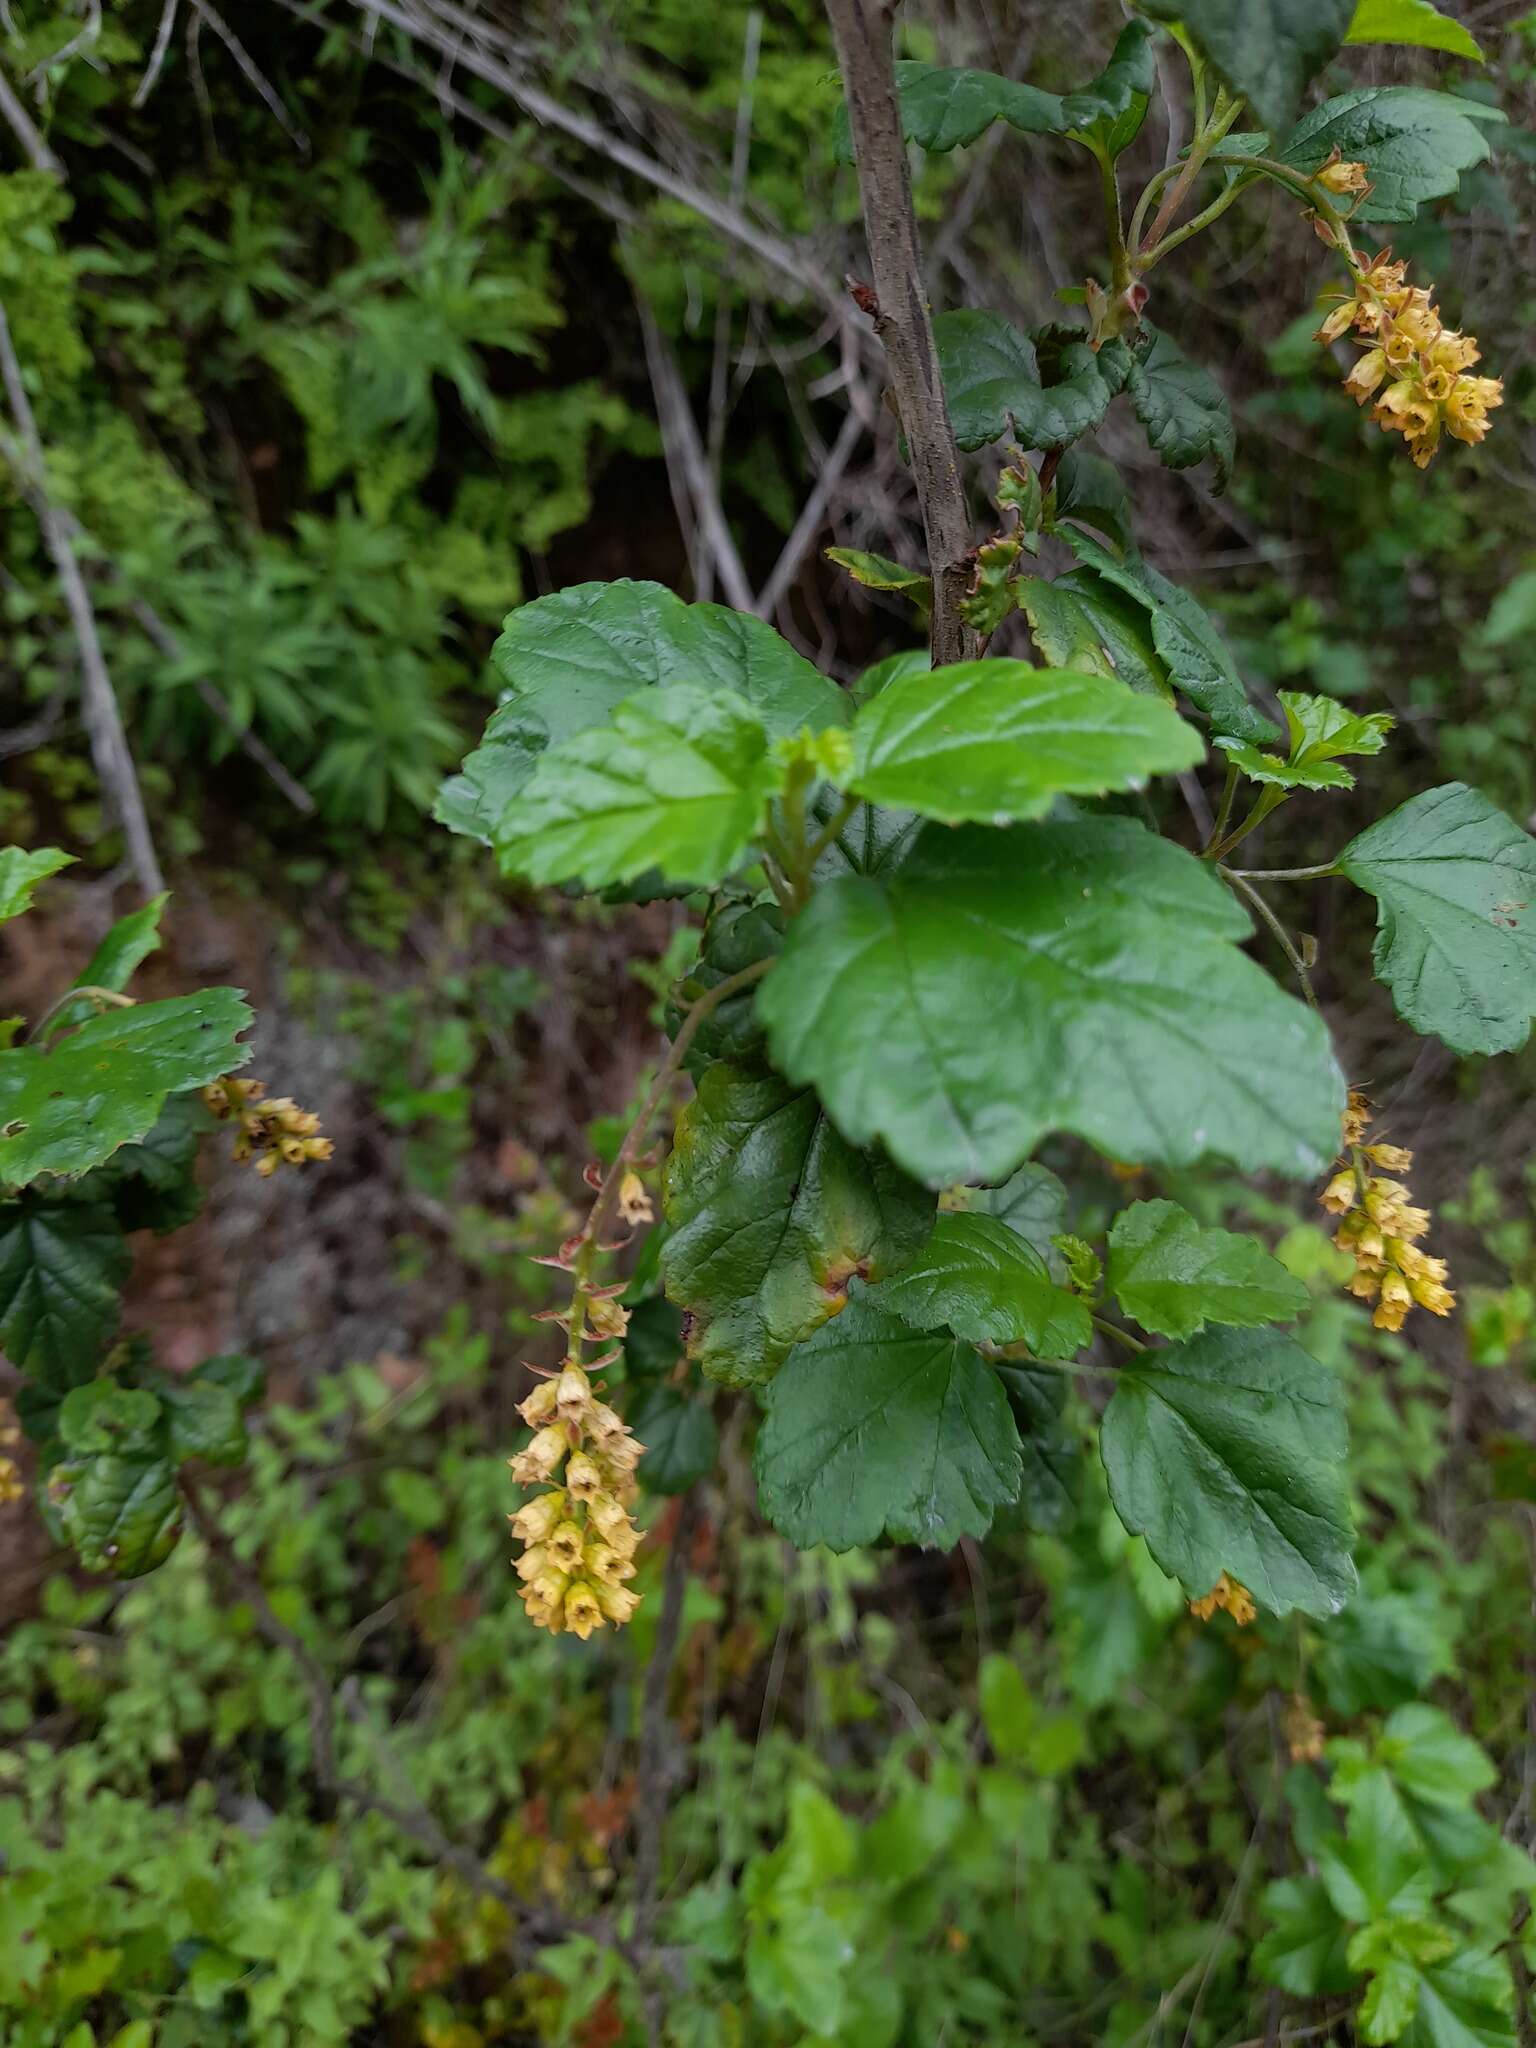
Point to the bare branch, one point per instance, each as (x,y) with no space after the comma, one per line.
(862,35)
(805,529)
(26,131)
(156,64)
(685,450)
(98,701)
(206,11)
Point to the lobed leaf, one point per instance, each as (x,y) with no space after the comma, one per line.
(21,872)
(874,1428)
(1265,50)
(1414,143)
(986,1283)
(1455,886)
(772,1214)
(1083,976)
(1001,739)
(674,782)
(1173,1275)
(63,1266)
(68,1108)
(1183,408)
(1227,1453)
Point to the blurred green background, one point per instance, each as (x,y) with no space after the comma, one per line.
(343,338)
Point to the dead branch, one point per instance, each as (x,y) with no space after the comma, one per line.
(98,701)
(26,131)
(861,31)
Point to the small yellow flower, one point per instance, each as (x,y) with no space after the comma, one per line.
(1229,1596)
(1304,1732)
(582,1611)
(616,1602)
(533,1465)
(539,1518)
(1380,1225)
(12,1485)
(1336,176)
(634,1201)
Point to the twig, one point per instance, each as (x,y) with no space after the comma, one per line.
(85,35)
(206,11)
(862,35)
(542,107)
(741,151)
(805,529)
(680,437)
(156,64)
(26,131)
(98,703)
(1287,945)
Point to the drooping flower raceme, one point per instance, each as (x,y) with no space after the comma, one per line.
(1416,368)
(580,1536)
(1380,1226)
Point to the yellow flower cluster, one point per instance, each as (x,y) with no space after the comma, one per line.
(12,1485)
(1305,1735)
(271,1129)
(1228,1596)
(581,1537)
(1380,1227)
(1417,363)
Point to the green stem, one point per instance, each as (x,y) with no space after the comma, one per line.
(1270,800)
(1203,220)
(1292,952)
(1223,114)
(1114,1330)
(1224,809)
(832,830)
(1119,254)
(589,1241)
(107,998)
(1316,874)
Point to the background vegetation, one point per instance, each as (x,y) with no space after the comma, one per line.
(344,336)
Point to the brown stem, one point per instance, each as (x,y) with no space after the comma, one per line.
(862,35)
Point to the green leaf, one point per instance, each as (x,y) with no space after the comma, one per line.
(875,1428)
(1033,1203)
(1227,1453)
(571,659)
(1083,976)
(1390,2000)
(204,1417)
(680,1438)
(104,1416)
(1079,621)
(131,940)
(21,872)
(1320,731)
(947,109)
(989,740)
(69,1108)
(909,662)
(1174,1276)
(995,383)
(121,1512)
(1455,887)
(771,1215)
(736,936)
(1430,1758)
(1464,2002)
(63,1266)
(1184,637)
(878,572)
(1088,487)
(245,1377)
(797,1963)
(1052,1480)
(1378,1870)
(1182,407)
(984,1282)
(676,780)
(1513,612)
(154,1182)
(1414,143)
(1265,50)
(1412,22)
(1303,1952)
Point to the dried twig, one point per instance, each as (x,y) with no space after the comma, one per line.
(206,11)
(803,534)
(98,701)
(719,369)
(26,131)
(156,64)
(685,454)
(861,31)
